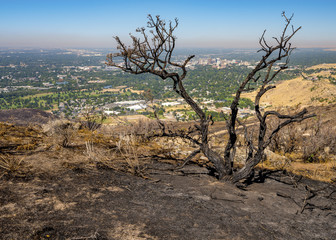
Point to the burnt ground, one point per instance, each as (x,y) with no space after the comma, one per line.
(64,197)
(26,116)
(100,203)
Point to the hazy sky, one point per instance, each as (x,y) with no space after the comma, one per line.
(203,23)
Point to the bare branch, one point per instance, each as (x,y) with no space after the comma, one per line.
(153,53)
(272,54)
(191,156)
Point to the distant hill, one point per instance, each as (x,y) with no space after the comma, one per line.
(313,89)
(25,116)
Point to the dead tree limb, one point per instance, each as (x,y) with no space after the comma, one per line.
(191,156)
(153,54)
(273,54)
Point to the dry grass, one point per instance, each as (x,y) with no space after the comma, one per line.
(323,66)
(111,90)
(319,171)
(64,133)
(323,171)
(122,120)
(11,165)
(297,92)
(127,148)
(19,138)
(129,232)
(300,91)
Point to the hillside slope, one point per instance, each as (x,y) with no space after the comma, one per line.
(25,116)
(312,90)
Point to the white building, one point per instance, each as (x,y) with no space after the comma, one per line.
(129,102)
(170,104)
(137,107)
(111,112)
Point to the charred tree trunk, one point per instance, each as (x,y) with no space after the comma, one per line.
(212,156)
(154,56)
(272,54)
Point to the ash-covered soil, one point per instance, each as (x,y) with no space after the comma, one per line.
(26,116)
(100,203)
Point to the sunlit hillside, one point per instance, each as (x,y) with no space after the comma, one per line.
(310,89)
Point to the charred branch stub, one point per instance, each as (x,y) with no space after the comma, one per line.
(152,53)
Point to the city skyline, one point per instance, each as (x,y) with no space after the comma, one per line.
(202,24)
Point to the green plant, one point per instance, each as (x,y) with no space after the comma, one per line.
(312,158)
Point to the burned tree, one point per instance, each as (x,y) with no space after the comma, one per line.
(152,53)
(272,54)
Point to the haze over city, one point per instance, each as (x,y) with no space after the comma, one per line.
(204,24)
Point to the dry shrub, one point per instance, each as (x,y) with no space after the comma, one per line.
(11,165)
(319,143)
(313,141)
(96,153)
(129,148)
(169,147)
(92,120)
(61,131)
(146,134)
(128,155)
(288,139)
(307,149)
(143,128)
